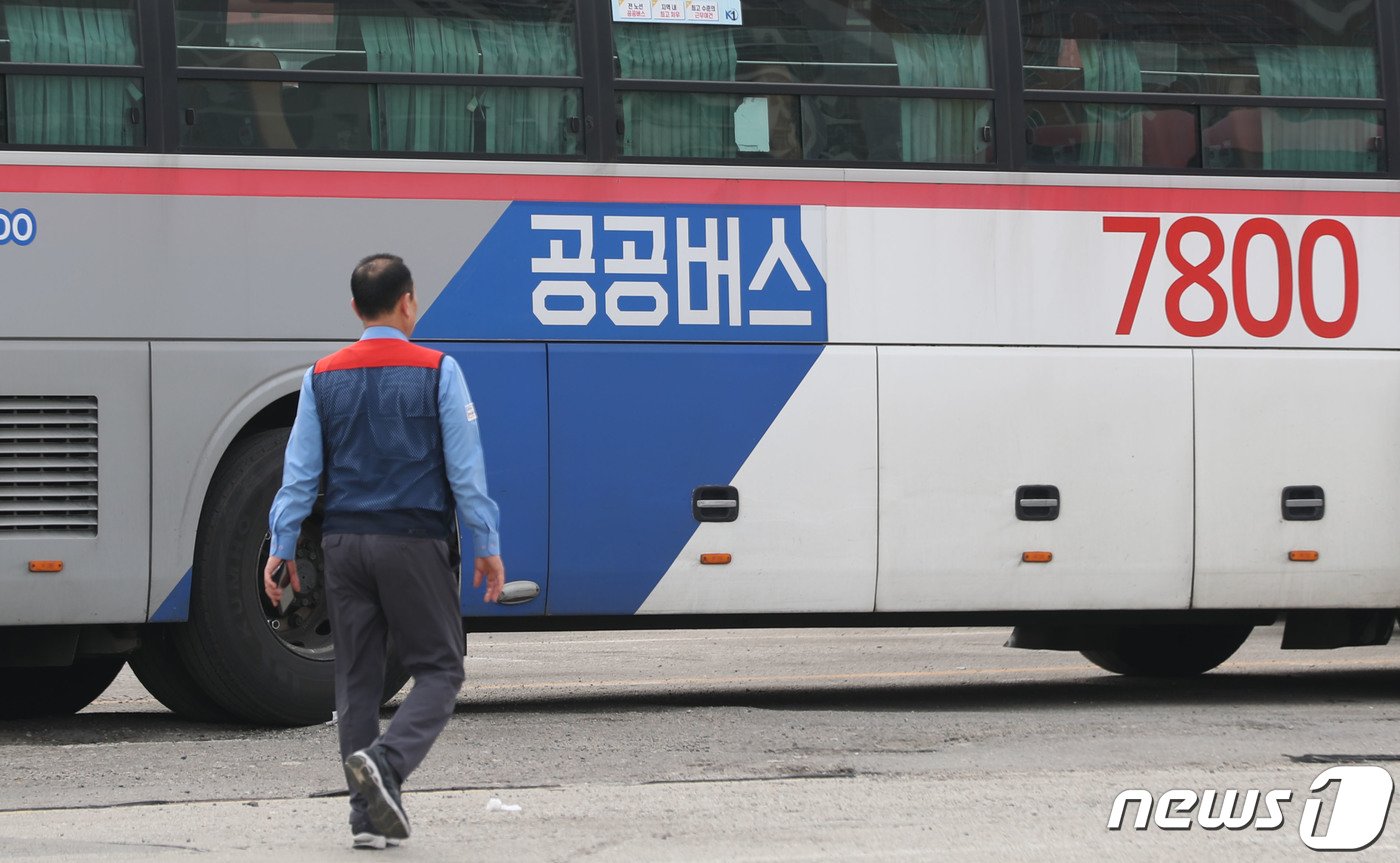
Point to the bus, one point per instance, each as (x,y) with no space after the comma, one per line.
(1074,316)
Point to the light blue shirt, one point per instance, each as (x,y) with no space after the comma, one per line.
(461,444)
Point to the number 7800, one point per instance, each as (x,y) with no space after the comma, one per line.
(1203,274)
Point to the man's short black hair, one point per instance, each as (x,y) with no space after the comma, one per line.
(378,282)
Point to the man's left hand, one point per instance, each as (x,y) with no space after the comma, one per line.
(494,571)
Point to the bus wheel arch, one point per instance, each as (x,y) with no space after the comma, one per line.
(271,407)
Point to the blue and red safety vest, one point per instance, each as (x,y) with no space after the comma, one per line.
(384,467)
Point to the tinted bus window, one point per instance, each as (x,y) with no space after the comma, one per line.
(67,110)
(69,32)
(1269,47)
(388,118)
(468,38)
(73,111)
(937,44)
(811,128)
(1319,50)
(885,44)
(1112,135)
(1294,139)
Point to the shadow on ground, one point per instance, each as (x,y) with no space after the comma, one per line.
(1094,691)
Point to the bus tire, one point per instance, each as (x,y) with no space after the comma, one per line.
(1169,650)
(227,645)
(159,668)
(32,693)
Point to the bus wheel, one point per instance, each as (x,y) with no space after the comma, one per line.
(163,673)
(56,691)
(1170,650)
(260,663)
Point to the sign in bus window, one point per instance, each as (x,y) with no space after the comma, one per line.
(726,12)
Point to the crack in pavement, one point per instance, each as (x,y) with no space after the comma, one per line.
(315,795)
(1313,758)
(782,777)
(446,789)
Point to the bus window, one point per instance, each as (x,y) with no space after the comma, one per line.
(1182,52)
(73,111)
(506,38)
(880,42)
(387,118)
(885,43)
(676,124)
(812,128)
(78,32)
(440,115)
(1295,139)
(99,110)
(1112,135)
(1279,47)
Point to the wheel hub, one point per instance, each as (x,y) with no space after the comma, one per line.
(301,623)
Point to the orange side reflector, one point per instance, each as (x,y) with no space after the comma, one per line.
(715,559)
(1306,556)
(1036,557)
(46,566)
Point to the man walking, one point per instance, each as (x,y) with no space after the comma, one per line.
(391,428)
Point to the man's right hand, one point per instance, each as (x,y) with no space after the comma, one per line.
(271,585)
(494,571)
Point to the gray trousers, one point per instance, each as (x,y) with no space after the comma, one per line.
(383,587)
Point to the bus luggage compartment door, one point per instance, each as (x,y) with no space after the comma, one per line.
(507,386)
(74,482)
(1270,420)
(1100,438)
(637,430)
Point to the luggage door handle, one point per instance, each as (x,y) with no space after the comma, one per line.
(715,503)
(1037,503)
(1304,503)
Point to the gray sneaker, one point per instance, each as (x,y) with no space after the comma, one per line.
(372,776)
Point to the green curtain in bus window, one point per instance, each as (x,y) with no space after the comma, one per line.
(74,111)
(528,119)
(942,130)
(1318,139)
(1114,133)
(677,124)
(438,118)
(420,117)
(386,50)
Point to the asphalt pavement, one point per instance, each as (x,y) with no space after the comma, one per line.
(766,745)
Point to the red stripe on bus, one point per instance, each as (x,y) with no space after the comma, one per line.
(279,183)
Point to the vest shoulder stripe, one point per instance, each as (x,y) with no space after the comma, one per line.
(380,353)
